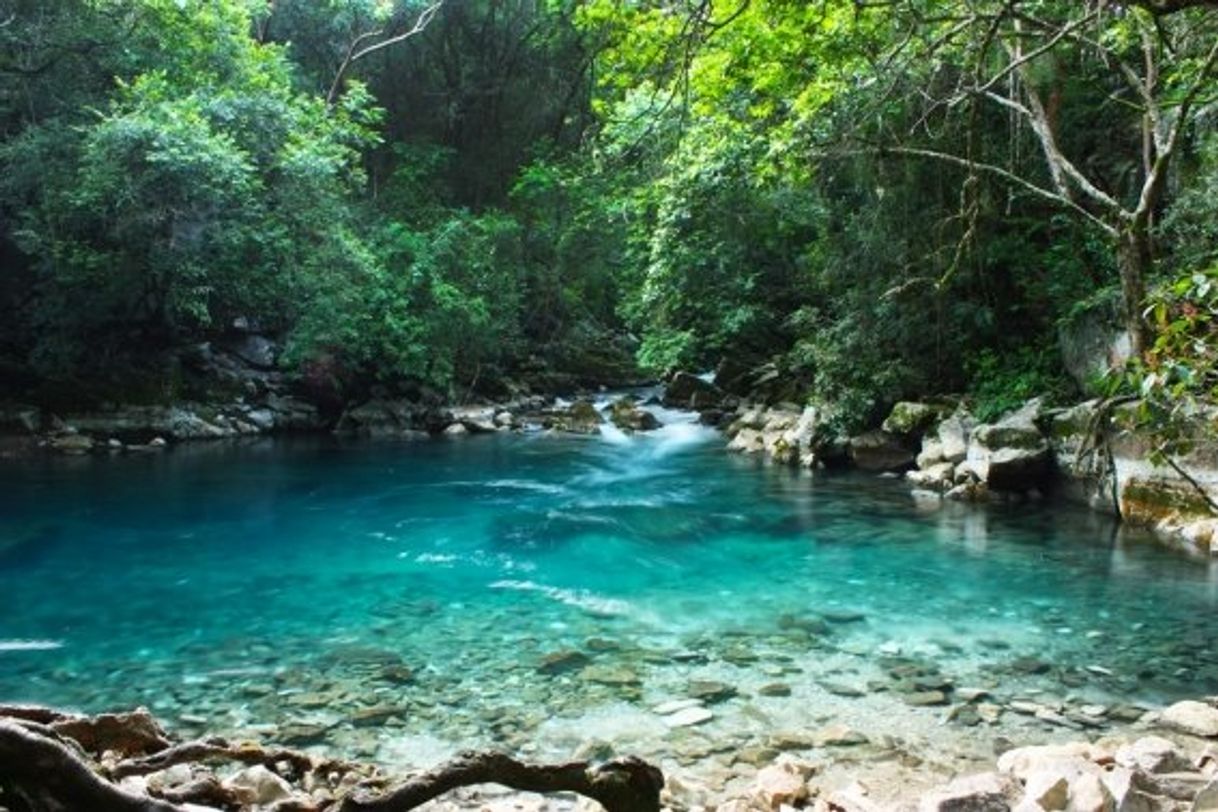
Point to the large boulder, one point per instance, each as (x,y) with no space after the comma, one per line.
(581,417)
(879,450)
(687,391)
(910,419)
(953,435)
(383,418)
(1011,454)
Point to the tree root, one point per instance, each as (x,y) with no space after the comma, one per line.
(52,761)
(623,785)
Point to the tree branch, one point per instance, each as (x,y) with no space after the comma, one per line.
(357,50)
(1008,176)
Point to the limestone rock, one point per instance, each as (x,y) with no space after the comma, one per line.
(780,784)
(1207,799)
(1012,454)
(954,433)
(1049,789)
(688,717)
(1152,754)
(258,785)
(1195,718)
(986,792)
(910,419)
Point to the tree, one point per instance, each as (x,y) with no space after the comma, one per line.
(1155,59)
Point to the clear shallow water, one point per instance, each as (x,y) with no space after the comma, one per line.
(418,587)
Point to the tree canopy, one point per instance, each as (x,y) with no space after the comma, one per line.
(872,200)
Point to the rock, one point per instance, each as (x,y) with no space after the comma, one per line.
(476,419)
(610,675)
(1068,759)
(1152,754)
(936,477)
(581,417)
(456,430)
(880,451)
(255,350)
(72,443)
(1088,794)
(301,734)
(910,419)
(780,784)
(1207,799)
(377,715)
(560,662)
(1011,454)
(954,434)
(257,785)
(986,792)
(667,708)
(1127,796)
(688,391)
(841,688)
(926,698)
(710,691)
(688,717)
(747,441)
(931,453)
(842,615)
(133,733)
(1194,718)
(627,415)
(1050,789)
(838,736)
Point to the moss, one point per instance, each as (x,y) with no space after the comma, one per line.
(1152,501)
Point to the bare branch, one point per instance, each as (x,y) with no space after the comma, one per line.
(357,50)
(1008,176)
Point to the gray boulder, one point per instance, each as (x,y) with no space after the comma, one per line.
(1011,454)
(879,450)
(687,391)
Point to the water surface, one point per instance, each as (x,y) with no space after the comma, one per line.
(398,600)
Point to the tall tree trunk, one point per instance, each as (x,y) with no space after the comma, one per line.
(1133,261)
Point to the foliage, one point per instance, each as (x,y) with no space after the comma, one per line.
(531,190)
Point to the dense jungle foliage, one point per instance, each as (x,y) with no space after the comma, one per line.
(878,199)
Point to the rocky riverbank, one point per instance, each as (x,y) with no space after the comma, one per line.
(127,760)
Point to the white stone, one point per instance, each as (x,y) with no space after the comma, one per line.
(780,784)
(667,708)
(257,785)
(1088,794)
(1126,797)
(1071,758)
(689,717)
(1152,754)
(1192,717)
(1049,788)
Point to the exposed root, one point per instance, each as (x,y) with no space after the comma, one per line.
(52,761)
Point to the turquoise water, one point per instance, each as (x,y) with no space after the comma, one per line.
(423,584)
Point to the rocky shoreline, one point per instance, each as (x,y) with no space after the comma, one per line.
(1092,453)
(128,761)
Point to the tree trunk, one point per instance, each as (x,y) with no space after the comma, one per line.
(1133,262)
